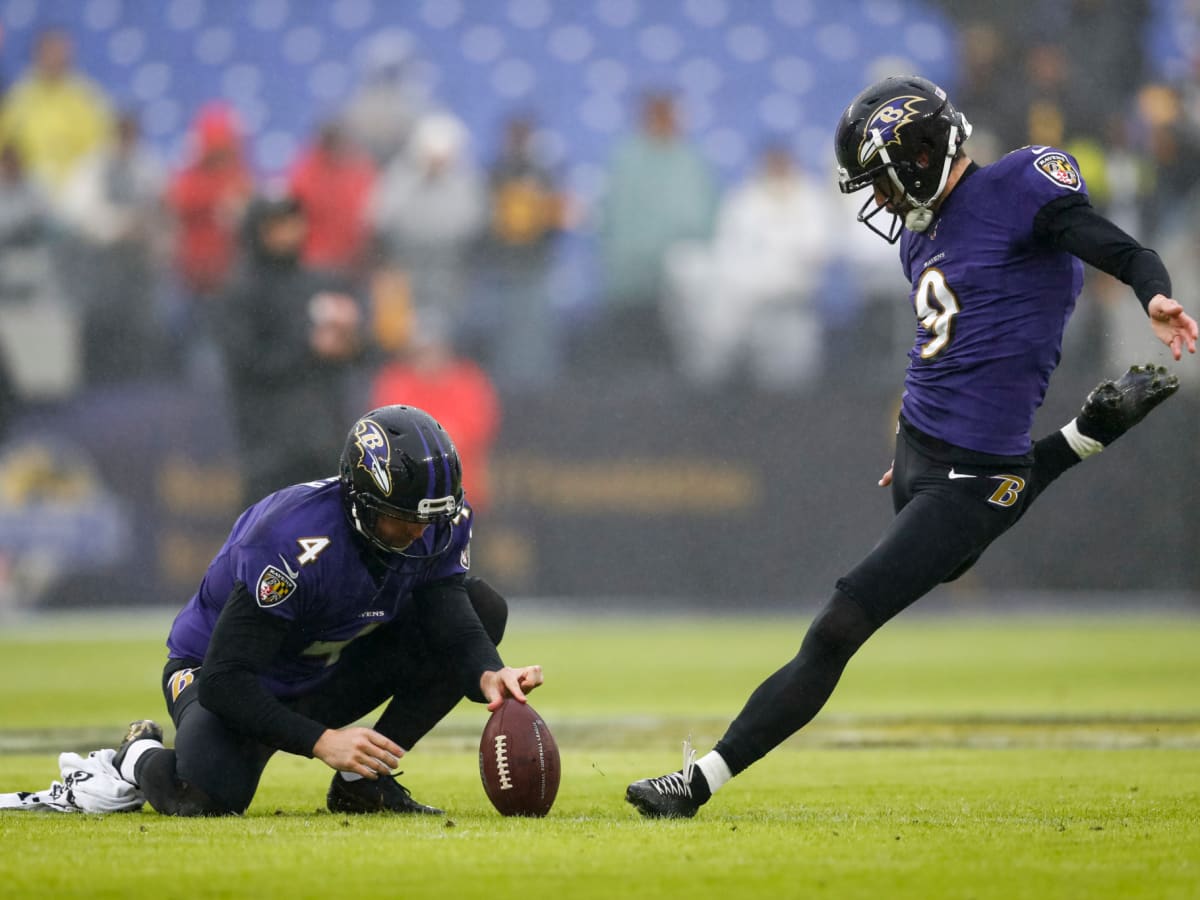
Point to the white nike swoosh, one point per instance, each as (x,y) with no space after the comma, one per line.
(292,573)
(953,474)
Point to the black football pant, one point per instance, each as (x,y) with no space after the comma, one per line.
(214,770)
(942,526)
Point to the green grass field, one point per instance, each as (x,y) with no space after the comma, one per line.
(965,758)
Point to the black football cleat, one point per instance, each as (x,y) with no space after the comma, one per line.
(384,794)
(676,795)
(141,730)
(1112,408)
(666,797)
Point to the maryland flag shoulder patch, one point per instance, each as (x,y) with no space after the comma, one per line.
(1058,168)
(274,586)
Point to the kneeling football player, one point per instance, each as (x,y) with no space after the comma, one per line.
(327,600)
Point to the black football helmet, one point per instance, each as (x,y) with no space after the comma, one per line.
(905,129)
(398,461)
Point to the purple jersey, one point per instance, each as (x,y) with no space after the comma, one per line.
(297,554)
(991,304)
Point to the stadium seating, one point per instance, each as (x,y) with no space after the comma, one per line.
(745,71)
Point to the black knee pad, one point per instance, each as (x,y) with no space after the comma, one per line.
(491,608)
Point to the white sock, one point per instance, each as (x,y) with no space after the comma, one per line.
(715,770)
(351,776)
(133,754)
(1083,445)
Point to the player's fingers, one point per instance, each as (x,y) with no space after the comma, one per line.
(383,760)
(513,683)
(492,689)
(386,743)
(365,770)
(383,765)
(531,677)
(376,760)
(374,753)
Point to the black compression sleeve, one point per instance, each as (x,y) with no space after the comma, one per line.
(454,630)
(244,641)
(1072,224)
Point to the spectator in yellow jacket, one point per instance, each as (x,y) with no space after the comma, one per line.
(52,115)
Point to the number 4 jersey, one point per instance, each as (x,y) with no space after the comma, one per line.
(992,299)
(300,560)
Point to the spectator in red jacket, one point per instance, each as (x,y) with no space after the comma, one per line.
(332,179)
(456,392)
(207,198)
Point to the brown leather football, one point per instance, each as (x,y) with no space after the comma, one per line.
(518,761)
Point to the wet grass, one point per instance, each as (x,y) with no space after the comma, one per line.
(959,758)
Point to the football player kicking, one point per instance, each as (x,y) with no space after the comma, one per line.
(993,255)
(328,600)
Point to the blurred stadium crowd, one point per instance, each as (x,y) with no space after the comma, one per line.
(298,210)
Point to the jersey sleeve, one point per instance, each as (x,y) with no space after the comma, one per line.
(1071,224)
(272,580)
(1040,175)
(453,626)
(244,642)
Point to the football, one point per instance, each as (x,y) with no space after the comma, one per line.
(518,761)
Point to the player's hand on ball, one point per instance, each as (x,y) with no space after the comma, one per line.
(509,682)
(360,750)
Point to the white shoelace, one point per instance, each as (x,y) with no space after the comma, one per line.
(678,784)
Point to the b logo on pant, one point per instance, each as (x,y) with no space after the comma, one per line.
(179,681)
(1008,492)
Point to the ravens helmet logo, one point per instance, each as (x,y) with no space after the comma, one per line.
(374,454)
(888,120)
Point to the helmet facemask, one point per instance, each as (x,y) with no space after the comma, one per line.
(365,511)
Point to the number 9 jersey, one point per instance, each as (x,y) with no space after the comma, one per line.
(992,297)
